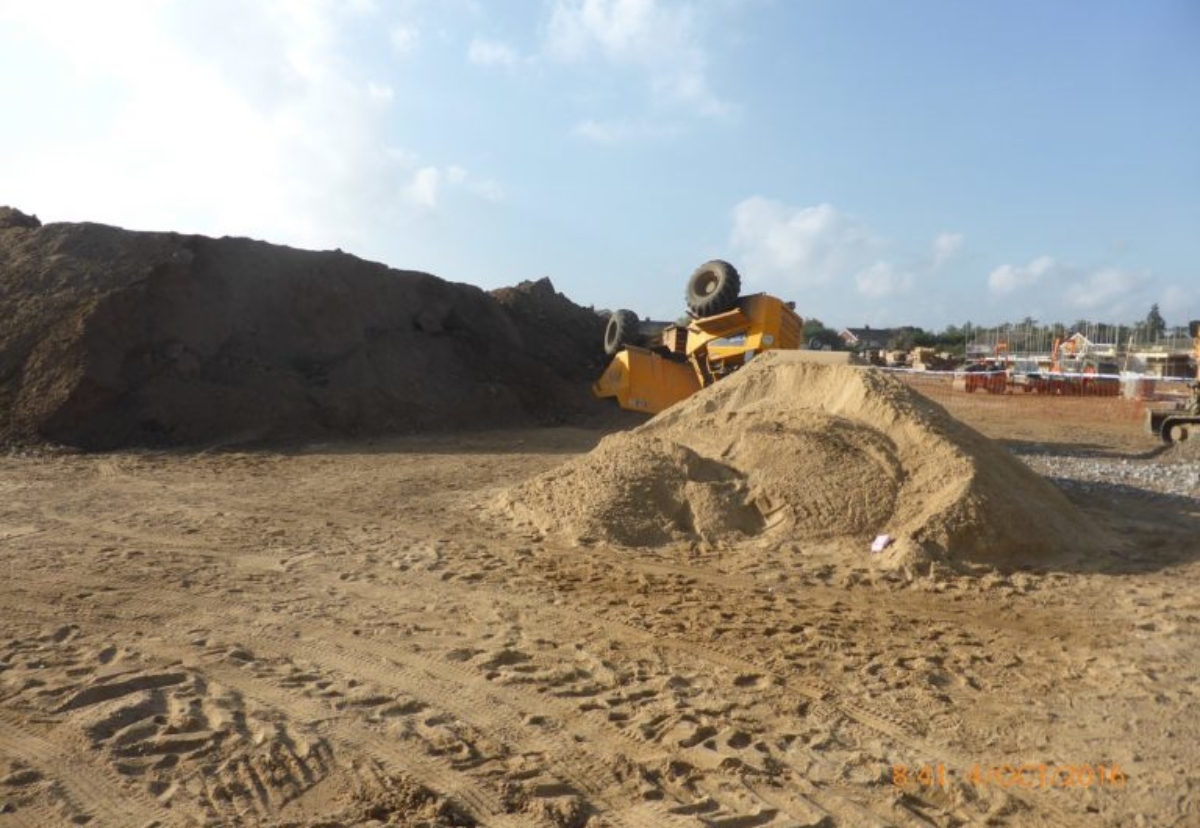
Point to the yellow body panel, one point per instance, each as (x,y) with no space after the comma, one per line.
(759,323)
(719,345)
(642,380)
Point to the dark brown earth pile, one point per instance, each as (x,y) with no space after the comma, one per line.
(113,337)
(555,331)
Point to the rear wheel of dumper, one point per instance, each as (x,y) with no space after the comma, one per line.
(1175,429)
(713,288)
(622,330)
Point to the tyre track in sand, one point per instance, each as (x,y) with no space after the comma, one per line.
(90,791)
(482,805)
(571,755)
(497,711)
(572,765)
(819,699)
(465,693)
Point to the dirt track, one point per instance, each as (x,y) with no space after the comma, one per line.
(338,636)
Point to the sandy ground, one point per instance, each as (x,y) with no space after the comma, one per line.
(338,635)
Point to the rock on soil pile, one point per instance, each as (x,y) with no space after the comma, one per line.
(793,449)
(113,338)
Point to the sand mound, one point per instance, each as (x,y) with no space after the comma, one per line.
(787,448)
(113,338)
(640,493)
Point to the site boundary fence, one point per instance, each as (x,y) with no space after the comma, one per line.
(1095,397)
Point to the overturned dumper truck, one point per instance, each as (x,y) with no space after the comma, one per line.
(657,364)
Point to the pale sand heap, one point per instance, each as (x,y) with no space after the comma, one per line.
(790,449)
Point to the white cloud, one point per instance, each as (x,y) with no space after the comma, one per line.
(380,92)
(801,245)
(945,247)
(619,131)
(1181,303)
(622,29)
(655,36)
(882,279)
(423,189)
(429,183)
(267,128)
(1011,278)
(484,52)
(1109,289)
(487,189)
(404,39)
(821,251)
(836,261)
(1110,293)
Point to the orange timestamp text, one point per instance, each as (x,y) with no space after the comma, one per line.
(1030,776)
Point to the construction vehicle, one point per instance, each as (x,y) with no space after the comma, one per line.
(989,375)
(1026,374)
(1174,425)
(657,364)
(1076,374)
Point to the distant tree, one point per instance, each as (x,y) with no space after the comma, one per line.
(952,336)
(1155,325)
(924,339)
(817,336)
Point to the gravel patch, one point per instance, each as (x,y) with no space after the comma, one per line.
(1167,473)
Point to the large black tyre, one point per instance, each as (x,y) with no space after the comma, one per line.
(713,288)
(1177,429)
(621,330)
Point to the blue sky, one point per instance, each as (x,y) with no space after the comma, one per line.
(878,162)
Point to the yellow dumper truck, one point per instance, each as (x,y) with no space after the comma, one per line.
(657,364)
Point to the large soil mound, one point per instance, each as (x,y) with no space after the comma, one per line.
(112,337)
(788,448)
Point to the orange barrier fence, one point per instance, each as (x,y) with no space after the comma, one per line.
(1079,396)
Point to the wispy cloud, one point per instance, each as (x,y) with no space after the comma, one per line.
(271,110)
(404,39)
(808,246)
(945,247)
(429,184)
(484,52)
(658,37)
(1183,300)
(1110,290)
(619,131)
(423,189)
(881,279)
(1103,292)
(1008,278)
